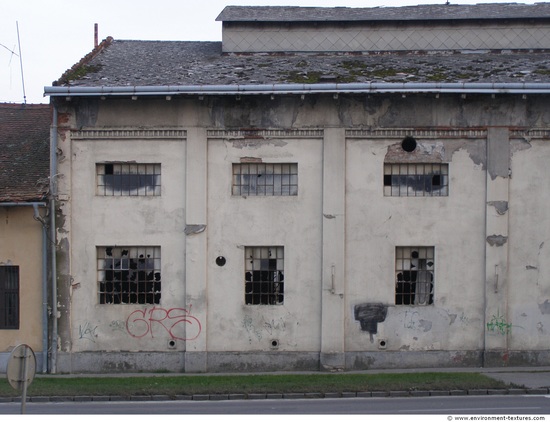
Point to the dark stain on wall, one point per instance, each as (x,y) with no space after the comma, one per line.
(369,315)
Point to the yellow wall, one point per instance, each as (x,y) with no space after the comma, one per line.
(21,244)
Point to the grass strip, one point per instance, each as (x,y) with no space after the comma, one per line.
(247,384)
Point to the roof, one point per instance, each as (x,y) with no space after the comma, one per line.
(124,63)
(405,13)
(24,152)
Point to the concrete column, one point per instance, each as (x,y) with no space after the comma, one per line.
(332,302)
(195,244)
(497,325)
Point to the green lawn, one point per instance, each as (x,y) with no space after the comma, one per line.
(232,384)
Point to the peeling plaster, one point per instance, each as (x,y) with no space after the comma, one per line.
(545,307)
(194,229)
(257,143)
(497,240)
(500,206)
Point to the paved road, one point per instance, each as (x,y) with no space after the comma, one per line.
(448,405)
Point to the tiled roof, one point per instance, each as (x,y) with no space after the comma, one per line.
(405,13)
(161,63)
(24,152)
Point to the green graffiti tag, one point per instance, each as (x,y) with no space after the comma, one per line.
(498,324)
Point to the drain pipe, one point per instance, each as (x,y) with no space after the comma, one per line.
(53,196)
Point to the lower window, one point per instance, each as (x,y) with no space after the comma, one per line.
(416,179)
(414,275)
(264,275)
(9,297)
(129,275)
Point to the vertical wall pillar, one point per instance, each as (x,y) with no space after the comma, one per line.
(332,303)
(497,325)
(195,245)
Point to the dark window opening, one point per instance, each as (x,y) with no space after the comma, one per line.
(414,275)
(128,179)
(265,179)
(9,297)
(416,179)
(129,275)
(264,275)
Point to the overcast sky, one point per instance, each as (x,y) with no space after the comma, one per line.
(55,34)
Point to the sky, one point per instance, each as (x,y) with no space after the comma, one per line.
(41,39)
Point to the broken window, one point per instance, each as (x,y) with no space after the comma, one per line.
(414,179)
(129,275)
(259,179)
(414,275)
(9,297)
(128,179)
(264,275)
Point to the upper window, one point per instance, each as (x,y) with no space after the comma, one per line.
(129,275)
(259,179)
(414,179)
(128,179)
(414,275)
(9,297)
(264,275)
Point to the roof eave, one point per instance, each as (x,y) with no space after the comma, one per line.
(298,89)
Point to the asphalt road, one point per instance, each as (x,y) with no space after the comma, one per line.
(505,405)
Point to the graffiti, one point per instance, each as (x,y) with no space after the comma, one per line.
(369,315)
(248,324)
(412,321)
(177,322)
(498,324)
(269,327)
(274,325)
(118,325)
(87,332)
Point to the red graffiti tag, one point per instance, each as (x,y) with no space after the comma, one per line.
(178,323)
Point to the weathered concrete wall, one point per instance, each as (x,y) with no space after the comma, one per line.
(405,36)
(339,233)
(24,250)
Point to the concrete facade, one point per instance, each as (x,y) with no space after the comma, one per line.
(337,239)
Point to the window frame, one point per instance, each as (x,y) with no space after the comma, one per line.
(278,179)
(264,281)
(414,287)
(129,275)
(8,294)
(128,179)
(404,179)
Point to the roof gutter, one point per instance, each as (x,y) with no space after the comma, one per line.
(325,88)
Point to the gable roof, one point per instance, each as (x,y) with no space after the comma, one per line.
(424,12)
(24,152)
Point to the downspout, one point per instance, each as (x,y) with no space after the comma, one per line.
(53,196)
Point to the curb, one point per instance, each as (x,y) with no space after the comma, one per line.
(274,396)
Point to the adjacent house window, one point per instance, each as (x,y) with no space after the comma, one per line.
(414,275)
(128,179)
(264,275)
(414,179)
(259,179)
(9,297)
(129,275)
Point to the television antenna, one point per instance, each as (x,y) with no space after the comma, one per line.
(21,64)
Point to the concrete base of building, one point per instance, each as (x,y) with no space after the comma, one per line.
(279,361)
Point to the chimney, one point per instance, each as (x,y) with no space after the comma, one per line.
(95,35)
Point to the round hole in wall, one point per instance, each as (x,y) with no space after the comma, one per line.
(172,344)
(274,343)
(220,260)
(409,144)
(382,343)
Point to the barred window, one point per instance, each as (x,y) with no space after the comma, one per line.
(259,179)
(128,179)
(413,179)
(264,275)
(9,297)
(129,275)
(414,275)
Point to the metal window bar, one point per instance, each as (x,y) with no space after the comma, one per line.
(9,297)
(414,275)
(129,275)
(263,179)
(128,179)
(264,275)
(412,179)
